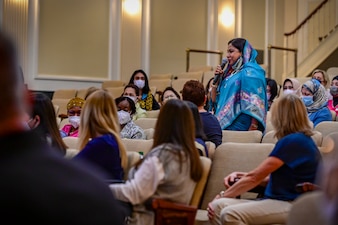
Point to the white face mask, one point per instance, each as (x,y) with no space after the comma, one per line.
(124,117)
(288,91)
(74,121)
(139,83)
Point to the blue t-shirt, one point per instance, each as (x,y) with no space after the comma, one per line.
(301,159)
(211,127)
(103,153)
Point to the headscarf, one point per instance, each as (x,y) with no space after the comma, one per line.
(242,90)
(75,102)
(319,95)
(295,84)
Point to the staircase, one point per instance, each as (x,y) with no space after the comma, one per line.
(315,39)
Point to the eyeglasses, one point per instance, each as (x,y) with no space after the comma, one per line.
(287,87)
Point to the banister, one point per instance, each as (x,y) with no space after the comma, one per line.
(307,18)
(294,50)
(188,50)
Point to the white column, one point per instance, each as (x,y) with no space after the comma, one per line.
(114,64)
(212,31)
(145,36)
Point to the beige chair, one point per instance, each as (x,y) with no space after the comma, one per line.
(71,142)
(64,94)
(133,158)
(207,76)
(149,133)
(269,138)
(327,127)
(115,91)
(70,153)
(252,136)
(160,85)
(334,115)
(230,157)
(211,148)
(81,93)
(161,76)
(146,123)
(332,72)
(197,75)
(199,188)
(329,145)
(179,83)
(138,145)
(152,113)
(112,83)
(56,109)
(62,103)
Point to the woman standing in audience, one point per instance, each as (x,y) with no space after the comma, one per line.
(240,93)
(74,108)
(294,159)
(126,109)
(333,103)
(170,170)
(100,141)
(315,100)
(291,86)
(43,121)
(147,100)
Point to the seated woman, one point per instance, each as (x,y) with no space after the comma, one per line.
(199,132)
(291,86)
(99,139)
(315,100)
(74,108)
(42,120)
(333,103)
(170,170)
(147,100)
(126,109)
(169,93)
(323,79)
(271,91)
(294,159)
(132,91)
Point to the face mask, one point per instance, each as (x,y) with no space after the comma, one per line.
(74,121)
(134,98)
(124,117)
(268,96)
(308,100)
(139,83)
(334,90)
(288,91)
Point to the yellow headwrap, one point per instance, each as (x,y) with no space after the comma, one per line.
(75,102)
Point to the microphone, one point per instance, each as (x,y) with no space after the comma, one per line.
(217,76)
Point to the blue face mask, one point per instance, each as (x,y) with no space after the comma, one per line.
(308,100)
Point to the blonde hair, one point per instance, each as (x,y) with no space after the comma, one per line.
(99,116)
(325,76)
(289,115)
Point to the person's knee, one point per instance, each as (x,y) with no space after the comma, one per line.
(231,216)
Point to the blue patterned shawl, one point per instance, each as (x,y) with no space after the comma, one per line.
(242,91)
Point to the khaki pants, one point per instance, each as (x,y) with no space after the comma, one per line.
(233,211)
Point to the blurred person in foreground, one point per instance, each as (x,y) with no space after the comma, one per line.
(37,182)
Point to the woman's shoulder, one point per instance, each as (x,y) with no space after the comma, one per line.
(104,139)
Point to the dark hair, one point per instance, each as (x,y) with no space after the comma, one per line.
(238,43)
(47,128)
(175,125)
(137,90)
(194,91)
(273,88)
(146,88)
(170,89)
(129,100)
(335,78)
(199,132)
